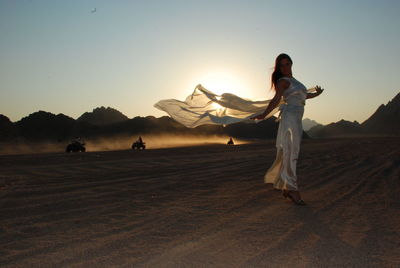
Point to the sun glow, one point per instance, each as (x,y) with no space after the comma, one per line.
(220,82)
(217,106)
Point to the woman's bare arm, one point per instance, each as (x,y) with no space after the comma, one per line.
(281,86)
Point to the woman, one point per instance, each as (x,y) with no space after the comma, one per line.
(205,107)
(282,173)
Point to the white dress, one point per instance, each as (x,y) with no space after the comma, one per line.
(282,173)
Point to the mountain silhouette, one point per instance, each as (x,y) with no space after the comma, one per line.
(108,122)
(7,129)
(308,124)
(44,125)
(103,116)
(385,121)
(341,128)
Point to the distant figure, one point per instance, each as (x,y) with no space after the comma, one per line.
(76,145)
(139,144)
(230,142)
(282,173)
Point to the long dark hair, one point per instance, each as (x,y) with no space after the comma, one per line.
(277,71)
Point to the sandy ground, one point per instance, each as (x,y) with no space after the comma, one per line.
(204,206)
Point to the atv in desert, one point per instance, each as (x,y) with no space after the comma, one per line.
(75,146)
(139,144)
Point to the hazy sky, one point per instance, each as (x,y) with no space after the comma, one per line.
(72,56)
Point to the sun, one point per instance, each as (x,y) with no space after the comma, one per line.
(217,106)
(220,82)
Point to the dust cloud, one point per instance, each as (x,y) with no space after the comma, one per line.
(31,147)
(157,141)
(152,141)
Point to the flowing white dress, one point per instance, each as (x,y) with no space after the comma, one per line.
(282,173)
(205,107)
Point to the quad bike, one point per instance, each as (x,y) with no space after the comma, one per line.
(138,145)
(75,146)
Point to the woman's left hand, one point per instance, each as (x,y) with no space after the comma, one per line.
(319,90)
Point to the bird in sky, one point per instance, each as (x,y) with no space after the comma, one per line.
(94,10)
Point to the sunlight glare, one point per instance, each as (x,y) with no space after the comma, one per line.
(217,106)
(220,82)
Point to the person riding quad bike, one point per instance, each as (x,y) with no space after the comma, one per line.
(76,146)
(139,144)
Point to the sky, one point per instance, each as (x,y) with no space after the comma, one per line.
(73,56)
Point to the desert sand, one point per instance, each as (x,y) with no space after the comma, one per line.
(202,206)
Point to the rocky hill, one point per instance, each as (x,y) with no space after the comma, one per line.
(385,121)
(103,116)
(308,124)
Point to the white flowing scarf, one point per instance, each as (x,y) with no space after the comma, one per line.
(205,107)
